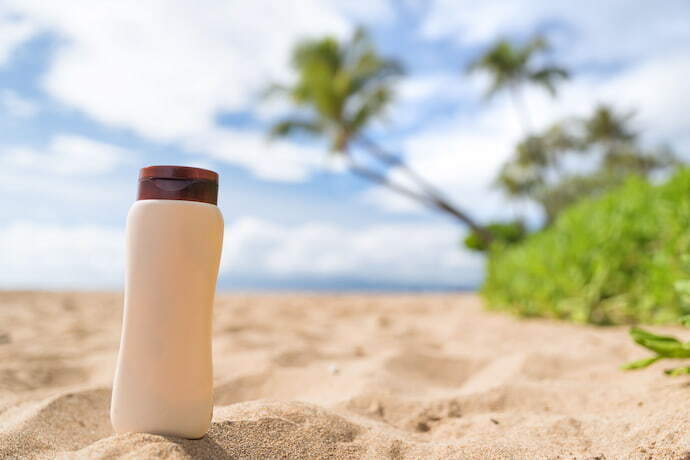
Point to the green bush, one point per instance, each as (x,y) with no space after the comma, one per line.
(506,233)
(608,260)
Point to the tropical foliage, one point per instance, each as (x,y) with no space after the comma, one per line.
(609,250)
(577,158)
(511,67)
(609,260)
(663,347)
(343,86)
(341,89)
(505,233)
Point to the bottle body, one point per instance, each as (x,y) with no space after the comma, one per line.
(164,377)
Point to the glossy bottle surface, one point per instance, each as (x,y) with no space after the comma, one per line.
(164,377)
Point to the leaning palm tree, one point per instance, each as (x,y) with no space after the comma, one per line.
(511,67)
(341,88)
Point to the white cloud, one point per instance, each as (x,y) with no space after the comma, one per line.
(16,105)
(401,253)
(472,21)
(51,256)
(657,89)
(65,155)
(602,31)
(37,255)
(278,160)
(418,97)
(419,88)
(165,69)
(13,31)
(380,11)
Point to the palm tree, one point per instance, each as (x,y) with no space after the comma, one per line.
(512,67)
(538,169)
(611,131)
(340,89)
(609,127)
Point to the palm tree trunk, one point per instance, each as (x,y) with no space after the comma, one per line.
(430,197)
(521,108)
(380,179)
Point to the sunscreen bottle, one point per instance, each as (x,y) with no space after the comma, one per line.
(164,376)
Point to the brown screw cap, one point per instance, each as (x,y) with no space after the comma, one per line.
(178,183)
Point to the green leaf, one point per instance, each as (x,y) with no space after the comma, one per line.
(678,371)
(641,335)
(665,346)
(641,364)
(287,127)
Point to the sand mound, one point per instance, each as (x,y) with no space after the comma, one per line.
(346,377)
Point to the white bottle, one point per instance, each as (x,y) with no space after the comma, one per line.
(164,376)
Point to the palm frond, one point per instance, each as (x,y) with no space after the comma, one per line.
(344,84)
(511,65)
(289,127)
(548,76)
(607,125)
(372,105)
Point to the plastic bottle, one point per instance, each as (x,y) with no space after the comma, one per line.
(164,376)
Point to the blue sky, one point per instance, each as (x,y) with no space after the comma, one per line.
(91,91)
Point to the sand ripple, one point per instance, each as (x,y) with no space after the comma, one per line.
(345,377)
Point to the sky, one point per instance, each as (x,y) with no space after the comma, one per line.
(91,91)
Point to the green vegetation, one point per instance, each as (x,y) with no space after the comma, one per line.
(505,233)
(541,169)
(664,347)
(608,260)
(609,249)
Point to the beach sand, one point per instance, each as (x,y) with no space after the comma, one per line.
(351,376)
